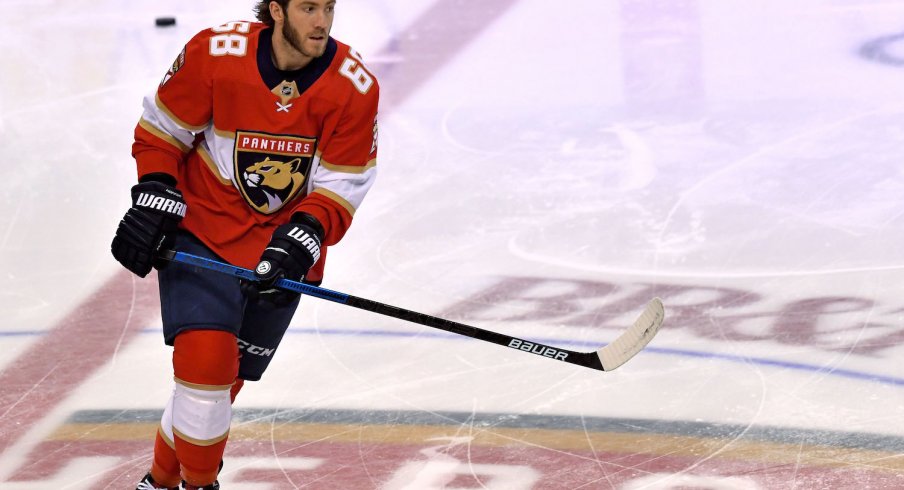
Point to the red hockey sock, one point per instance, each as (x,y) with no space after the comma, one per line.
(200,464)
(206,365)
(165,469)
(236,387)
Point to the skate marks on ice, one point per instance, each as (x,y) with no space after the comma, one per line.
(403,450)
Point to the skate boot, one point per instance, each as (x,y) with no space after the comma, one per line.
(148,483)
(213,486)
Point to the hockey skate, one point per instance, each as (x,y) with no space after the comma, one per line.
(213,486)
(148,483)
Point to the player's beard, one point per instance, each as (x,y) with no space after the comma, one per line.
(291,36)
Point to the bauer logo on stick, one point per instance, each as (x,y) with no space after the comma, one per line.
(540,350)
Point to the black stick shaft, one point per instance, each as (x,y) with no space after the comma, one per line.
(590,360)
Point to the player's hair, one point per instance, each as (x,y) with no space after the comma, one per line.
(262,10)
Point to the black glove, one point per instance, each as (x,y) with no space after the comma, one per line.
(148,226)
(292,251)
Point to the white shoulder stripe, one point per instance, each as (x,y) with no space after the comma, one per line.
(351,187)
(162,122)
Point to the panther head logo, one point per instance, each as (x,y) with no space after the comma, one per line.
(277,181)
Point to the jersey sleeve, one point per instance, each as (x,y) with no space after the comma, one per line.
(347,166)
(176,112)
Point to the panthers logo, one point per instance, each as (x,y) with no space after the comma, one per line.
(272,170)
(276,180)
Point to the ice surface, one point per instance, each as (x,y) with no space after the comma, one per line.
(545,169)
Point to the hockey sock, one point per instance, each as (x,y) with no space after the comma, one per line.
(236,387)
(165,468)
(206,365)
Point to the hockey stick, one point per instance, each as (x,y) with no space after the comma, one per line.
(607,358)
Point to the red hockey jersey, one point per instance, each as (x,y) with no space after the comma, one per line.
(250,145)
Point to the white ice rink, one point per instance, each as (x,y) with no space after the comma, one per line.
(545,169)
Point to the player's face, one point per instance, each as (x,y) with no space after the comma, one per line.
(307,25)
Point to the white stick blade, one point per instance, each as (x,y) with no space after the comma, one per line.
(620,350)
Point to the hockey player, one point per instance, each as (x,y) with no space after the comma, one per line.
(256,148)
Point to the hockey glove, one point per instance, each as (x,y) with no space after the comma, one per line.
(148,226)
(292,251)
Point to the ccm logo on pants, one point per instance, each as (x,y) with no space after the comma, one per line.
(255,349)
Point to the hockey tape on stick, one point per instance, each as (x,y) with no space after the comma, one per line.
(607,358)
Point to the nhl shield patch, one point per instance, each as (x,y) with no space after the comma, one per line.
(272,169)
(180,61)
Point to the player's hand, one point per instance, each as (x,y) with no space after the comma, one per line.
(292,251)
(148,227)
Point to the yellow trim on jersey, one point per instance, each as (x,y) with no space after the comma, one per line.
(212,165)
(349,169)
(150,128)
(196,386)
(165,437)
(200,442)
(337,198)
(230,135)
(169,113)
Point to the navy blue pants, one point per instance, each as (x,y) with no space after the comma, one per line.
(192,298)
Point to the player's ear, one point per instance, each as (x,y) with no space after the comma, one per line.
(276,12)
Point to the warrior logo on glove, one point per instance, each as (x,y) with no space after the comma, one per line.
(309,242)
(173,205)
(273,168)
